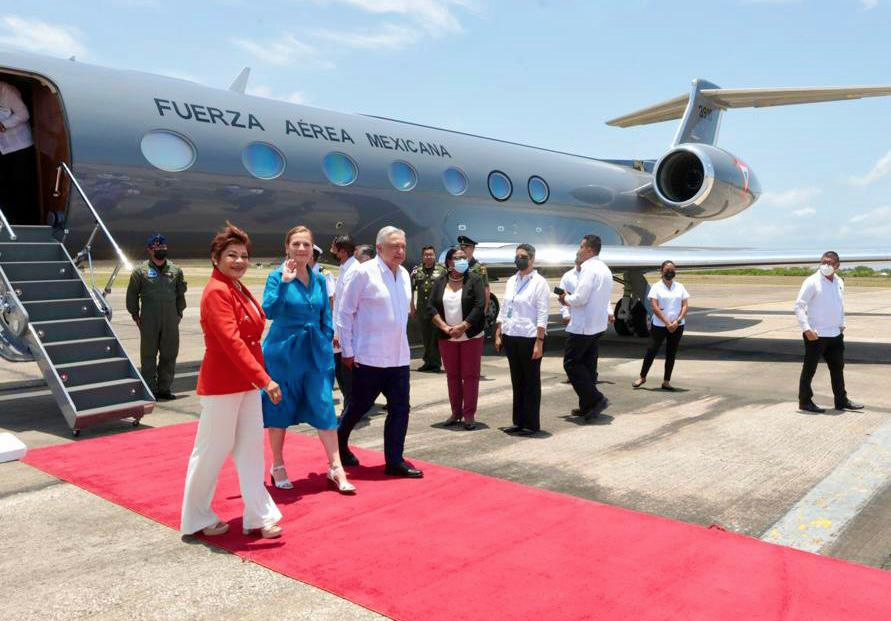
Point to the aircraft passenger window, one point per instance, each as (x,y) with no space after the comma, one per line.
(403,176)
(455,181)
(538,190)
(340,168)
(500,186)
(168,150)
(263,160)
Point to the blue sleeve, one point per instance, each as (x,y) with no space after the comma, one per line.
(274,295)
(327,321)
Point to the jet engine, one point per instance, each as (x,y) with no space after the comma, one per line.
(704,182)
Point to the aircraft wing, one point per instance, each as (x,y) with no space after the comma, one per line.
(501,255)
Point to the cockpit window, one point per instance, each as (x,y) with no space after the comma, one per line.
(455,181)
(263,160)
(403,176)
(168,150)
(538,190)
(500,186)
(340,168)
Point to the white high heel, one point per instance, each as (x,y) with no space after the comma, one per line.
(344,487)
(284,483)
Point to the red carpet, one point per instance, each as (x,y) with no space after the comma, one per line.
(458,545)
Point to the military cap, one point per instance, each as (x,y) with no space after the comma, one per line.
(155,239)
(465,241)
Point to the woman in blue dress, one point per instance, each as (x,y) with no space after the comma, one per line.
(299,356)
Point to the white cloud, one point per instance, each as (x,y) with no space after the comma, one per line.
(868,5)
(795,197)
(881,169)
(806,211)
(34,35)
(873,226)
(261,90)
(879,215)
(435,16)
(285,50)
(391,36)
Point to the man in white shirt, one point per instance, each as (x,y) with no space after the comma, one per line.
(589,317)
(343,248)
(372,318)
(569,282)
(820,309)
(18,196)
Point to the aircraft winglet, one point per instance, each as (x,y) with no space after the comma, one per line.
(240,83)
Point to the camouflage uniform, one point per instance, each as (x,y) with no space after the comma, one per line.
(422,281)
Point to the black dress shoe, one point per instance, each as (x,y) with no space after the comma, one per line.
(512,429)
(166,396)
(596,410)
(577,412)
(347,458)
(451,421)
(423,368)
(810,406)
(404,470)
(527,432)
(849,405)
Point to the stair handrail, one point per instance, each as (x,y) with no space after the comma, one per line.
(5,223)
(86,251)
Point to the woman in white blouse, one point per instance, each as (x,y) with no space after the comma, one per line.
(669,302)
(521,326)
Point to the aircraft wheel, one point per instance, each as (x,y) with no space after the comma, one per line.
(491,317)
(639,319)
(621,325)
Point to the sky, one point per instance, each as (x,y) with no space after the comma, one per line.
(547,73)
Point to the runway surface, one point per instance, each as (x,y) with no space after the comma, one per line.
(729,448)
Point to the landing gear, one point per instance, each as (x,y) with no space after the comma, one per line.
(491,317)
(631,311)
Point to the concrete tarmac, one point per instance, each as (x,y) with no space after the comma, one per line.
(728,448)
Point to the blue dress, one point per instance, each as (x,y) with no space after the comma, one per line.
(298,352)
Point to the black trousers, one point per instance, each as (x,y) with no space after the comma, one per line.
(832,350)
(658,334)
(525,379)
(368,383)
(430,338)
(18,189)
(344,377)
(579,360)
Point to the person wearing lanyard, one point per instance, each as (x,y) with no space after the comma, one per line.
(299,357)
(455,306)
(668,299)
(520,329)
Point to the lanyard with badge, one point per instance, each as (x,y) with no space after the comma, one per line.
(510,305)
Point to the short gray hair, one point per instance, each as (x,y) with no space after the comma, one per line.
(385,232)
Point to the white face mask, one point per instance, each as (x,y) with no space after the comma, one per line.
(827,270)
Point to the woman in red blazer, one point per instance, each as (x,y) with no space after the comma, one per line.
(229,384)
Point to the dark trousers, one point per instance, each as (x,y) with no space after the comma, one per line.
(430,339)
(832,350)
(525,379)
(579,363)
(462,364)
(344,377)
(18,195)
(368,383)
(658,334)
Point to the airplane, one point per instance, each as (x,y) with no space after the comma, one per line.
(153,152)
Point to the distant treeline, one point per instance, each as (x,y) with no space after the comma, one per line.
(861,271)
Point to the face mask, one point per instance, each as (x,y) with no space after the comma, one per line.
(827,270)
(461,265)
(668,275)
(160,254)
(522,263)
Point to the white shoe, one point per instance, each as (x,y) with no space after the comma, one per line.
(344,486)
(283,483)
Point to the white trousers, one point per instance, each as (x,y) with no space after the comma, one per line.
(233,424)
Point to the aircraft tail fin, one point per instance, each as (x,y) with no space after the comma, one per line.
(239,85)
(701,110)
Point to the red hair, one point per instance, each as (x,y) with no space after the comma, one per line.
(228,235)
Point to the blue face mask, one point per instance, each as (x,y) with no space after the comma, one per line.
(461,265)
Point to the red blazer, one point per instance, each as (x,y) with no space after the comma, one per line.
(233,359)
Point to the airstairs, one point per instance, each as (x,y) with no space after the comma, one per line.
(51,315)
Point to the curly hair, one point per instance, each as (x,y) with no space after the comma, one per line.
(225,237)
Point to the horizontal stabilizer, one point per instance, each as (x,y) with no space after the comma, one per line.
(724,98)
(239,85)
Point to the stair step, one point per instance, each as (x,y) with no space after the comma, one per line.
(120,391)
(60,310)
(39,270)
(34,290)
(64,352)
(95,371)
(30,234)
(137,409)
(53,331)
(19,251)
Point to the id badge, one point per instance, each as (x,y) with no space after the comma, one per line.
(510,311)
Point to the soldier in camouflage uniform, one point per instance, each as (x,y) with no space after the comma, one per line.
(468,246)
(422,278)
(156,299)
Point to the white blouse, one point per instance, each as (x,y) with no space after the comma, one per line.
(451,306)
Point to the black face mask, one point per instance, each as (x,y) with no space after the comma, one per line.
(160,254)
(668,275)
(522,263)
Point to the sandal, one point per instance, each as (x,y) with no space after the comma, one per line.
(639,382)
(280,483)
(341,485)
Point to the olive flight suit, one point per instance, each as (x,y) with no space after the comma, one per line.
(422,280)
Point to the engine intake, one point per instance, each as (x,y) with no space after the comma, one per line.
(704,182)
